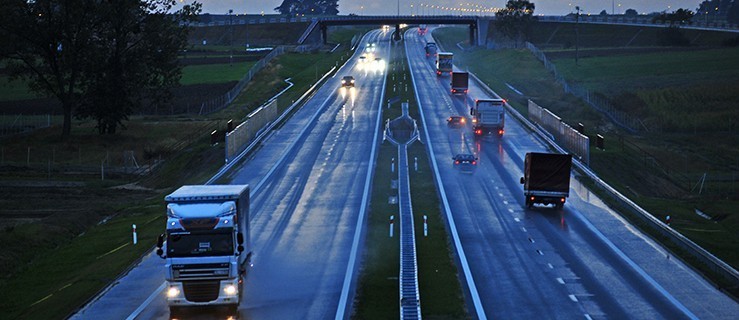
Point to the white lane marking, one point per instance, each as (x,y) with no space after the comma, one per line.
(343,300)
(523,229)
(561,281)
(517,219)
(573,298)
(550,266)
(148,300)
(505,201)
(587,316)
(539,252)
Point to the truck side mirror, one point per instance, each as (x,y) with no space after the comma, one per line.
(160,244)
(240,238)
(523,180)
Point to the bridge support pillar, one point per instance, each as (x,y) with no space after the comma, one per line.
(482,31)
(473,34)
(396,35)
(324,33)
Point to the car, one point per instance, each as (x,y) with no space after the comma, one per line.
(347,81)
(465,161)
(370,47)
(456,121)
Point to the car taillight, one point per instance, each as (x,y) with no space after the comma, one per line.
(474,162)
(456,162)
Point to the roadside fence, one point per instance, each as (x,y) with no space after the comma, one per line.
(239,137)
(221,102)
(566,136)
(628,122)
(15,124)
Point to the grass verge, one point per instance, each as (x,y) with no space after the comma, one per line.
(439,288)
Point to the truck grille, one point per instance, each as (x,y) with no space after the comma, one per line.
(200,271)
(201,291)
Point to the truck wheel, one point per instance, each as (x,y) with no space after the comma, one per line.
(528,203)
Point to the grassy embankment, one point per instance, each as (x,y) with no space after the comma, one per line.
(439,288)
(689,95)
(56,262)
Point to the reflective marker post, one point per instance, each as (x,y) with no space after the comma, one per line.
(425,226)
(392,220)
(135,239)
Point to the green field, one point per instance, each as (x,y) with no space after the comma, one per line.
(215,73)
(689,95)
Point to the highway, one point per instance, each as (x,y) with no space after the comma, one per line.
(308,182)
(584,261)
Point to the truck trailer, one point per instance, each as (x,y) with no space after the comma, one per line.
(206,246)
(460,82)
(546,178)
(444,63)
(488,117)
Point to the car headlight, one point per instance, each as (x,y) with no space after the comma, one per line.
(173,292)
(230,290)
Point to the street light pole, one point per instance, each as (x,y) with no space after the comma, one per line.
(577,34)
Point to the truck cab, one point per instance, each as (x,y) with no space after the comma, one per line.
(206,245)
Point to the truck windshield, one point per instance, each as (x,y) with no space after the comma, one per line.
(188,244)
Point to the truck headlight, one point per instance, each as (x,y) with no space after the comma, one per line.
(173,292)
(230,290)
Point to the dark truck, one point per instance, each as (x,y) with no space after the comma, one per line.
(546,178)
(430,49)
(460,82)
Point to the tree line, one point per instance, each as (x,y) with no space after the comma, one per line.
(101,59)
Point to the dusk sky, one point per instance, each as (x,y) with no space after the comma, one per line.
(364,7)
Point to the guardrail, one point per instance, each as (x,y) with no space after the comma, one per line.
(712,262)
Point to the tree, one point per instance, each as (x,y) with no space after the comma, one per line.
(136,59)
(92,55)
(516,19)
(308,7)
(603,13)
(47,43)
(732,16)
(630,13)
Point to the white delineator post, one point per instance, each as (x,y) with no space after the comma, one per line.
(392,221)
(135,238)
(425,226)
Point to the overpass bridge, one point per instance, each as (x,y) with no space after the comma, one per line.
(478,26)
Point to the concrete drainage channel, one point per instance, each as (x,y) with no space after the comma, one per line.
(402,132)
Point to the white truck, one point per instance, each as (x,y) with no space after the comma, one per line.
(207,249)
(488,117)
(444,63)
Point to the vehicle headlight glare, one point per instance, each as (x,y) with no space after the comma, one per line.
(173,292)
(230,289)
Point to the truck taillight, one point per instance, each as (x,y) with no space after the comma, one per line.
(562,200)
(500,132)
(533,198)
